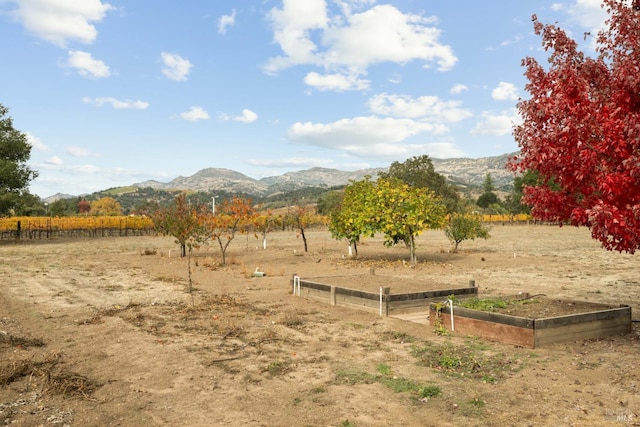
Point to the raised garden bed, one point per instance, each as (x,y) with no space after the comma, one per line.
(532,322)
(374,292)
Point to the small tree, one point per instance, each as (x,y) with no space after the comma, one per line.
(301,217)
(352,219)
(264,223)
(186,224)
(84,206)
(463,227)
(234,216)
(404,212)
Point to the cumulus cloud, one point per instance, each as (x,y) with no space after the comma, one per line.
(247,116)
(362,136)
(505,92)
(335,82)
(429,108)
(499,124)
(349,43)
(61,21)
(226,21)
(194,114)
(116,103)
(458,89)
(175,67)
(86,65)
(76,151)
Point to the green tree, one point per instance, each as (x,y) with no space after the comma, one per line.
(488,198)
(352,218)
(329,202)
(419,172)
(405,211)
(463,227)
(514,200)
(15,175)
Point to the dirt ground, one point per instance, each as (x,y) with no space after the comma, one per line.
(102,332)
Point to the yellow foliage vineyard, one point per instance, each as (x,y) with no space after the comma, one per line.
(76,223)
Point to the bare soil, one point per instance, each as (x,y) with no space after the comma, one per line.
(97,332)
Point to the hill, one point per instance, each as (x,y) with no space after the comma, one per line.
(463,172)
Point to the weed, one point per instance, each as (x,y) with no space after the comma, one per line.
(347,423)
(399,336)
(429,391)
(465,361)
(278,368)
(384,369)
(394,383)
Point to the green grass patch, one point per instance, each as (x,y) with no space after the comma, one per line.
(466,361)
(491,304)
(392,382)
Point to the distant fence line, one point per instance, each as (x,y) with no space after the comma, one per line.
(89,226)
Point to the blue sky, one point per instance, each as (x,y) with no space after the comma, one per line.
(116,92)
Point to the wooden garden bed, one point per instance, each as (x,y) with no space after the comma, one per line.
(535,323)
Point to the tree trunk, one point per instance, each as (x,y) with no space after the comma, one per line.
(412,251)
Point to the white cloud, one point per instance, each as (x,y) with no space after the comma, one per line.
(349,43)
(61,21)
(76,151)
(429,108)
(194,114)
(226,21)
(362,136)
(336,82)
(117,104)
(458,89)
(247,116)
(588,14)
(505,92)
(556,7)
(175,67)
(298,162)
(36,142)
(497,124)
(53,161)
(86,65)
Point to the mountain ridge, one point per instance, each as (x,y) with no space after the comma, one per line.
(460,171)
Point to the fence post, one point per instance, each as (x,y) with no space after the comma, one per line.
(384,301)
(332,296)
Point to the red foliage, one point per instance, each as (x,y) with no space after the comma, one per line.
(581,130)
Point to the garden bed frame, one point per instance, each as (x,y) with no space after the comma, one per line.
(532,333)
(383,302)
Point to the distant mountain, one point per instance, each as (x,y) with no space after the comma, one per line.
(462,171)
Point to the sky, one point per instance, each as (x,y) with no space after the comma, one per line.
(112,93)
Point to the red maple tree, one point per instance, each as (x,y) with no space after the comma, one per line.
(581,130)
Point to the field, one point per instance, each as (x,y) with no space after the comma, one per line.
(102,332)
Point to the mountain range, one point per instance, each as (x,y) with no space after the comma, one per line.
(463,172)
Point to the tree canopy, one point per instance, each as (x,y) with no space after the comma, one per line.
(15,174)
(391,206)
(418,171)
(581,130)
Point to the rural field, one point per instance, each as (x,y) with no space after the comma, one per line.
(103,332)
